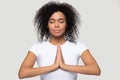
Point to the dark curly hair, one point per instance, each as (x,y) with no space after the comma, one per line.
(43,14)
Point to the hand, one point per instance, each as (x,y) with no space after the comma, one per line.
(62,63)
(59,58)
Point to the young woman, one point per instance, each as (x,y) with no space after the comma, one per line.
(57,51)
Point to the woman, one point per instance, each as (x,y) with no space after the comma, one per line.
(57,51)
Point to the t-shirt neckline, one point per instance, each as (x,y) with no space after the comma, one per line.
(56,45)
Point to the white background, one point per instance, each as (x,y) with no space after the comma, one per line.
(99,31)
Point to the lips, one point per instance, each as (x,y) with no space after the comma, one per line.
(56,31)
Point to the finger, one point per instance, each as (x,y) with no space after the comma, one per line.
(59,49)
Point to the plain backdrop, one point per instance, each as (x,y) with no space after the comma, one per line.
(99,32)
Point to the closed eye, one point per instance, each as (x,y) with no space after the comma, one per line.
(61,21)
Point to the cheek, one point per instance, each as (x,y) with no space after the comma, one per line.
(64,27)
(50,26)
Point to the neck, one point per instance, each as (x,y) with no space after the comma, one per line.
(57,41)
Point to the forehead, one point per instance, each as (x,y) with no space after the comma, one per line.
(57,15)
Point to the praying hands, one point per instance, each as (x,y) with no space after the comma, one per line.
(59,61)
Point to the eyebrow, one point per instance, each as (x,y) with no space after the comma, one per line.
(58,19)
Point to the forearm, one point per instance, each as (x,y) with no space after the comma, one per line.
(31,72)
(84,69)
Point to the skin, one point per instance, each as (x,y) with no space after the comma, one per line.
(57,25)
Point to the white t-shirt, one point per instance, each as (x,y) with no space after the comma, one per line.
(46,52)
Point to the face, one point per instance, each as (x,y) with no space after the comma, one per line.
(57,24)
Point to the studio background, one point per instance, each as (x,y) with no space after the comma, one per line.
(99,32)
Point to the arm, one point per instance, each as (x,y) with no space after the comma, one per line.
(27,70)
(91,67)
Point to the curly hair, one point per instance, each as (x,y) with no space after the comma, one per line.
(43,14)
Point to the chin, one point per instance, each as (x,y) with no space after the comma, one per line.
(58,36)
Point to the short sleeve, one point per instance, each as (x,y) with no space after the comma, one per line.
(81,48)
(34,48)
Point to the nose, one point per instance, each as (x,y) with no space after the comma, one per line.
(56,25)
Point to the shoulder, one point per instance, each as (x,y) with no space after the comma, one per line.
(76,43)
(38,43)
(37,46)
(81,45)
(78,46)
